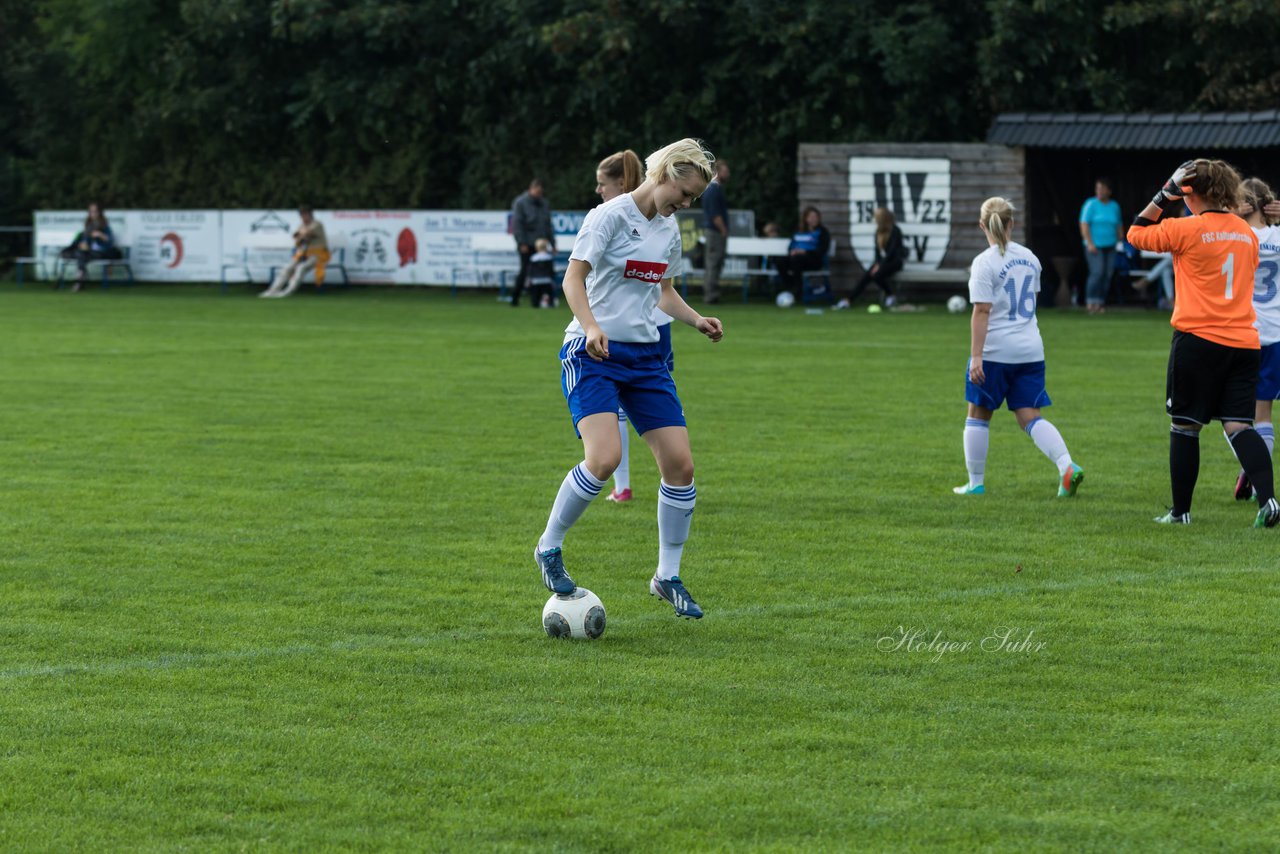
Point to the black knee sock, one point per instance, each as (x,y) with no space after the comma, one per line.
(1184,467)
(1251,450)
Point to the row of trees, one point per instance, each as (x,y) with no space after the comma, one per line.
(450,103)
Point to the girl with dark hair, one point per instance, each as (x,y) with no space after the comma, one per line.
(94,243)
(808,250)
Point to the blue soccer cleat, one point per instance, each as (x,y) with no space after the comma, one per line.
(551,563)
(980,489)
(672,590)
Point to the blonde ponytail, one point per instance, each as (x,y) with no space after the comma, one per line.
(997,218)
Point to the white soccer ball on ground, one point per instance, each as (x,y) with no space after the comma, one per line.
(785,299)
(957,304)
(579,614)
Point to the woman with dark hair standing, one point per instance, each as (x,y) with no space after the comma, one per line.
(1100,232)
(1214,356)
(891,252)
(808,250)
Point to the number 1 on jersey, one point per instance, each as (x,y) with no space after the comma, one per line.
(1229,270)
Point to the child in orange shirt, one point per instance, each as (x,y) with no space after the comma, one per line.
(1214,357)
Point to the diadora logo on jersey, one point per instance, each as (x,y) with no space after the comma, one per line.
(645,271)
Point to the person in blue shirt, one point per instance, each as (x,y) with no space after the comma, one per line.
(1100,230)
(808,251)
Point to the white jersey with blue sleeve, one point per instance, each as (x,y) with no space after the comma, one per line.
(1266,279)
(1011,283)
(629,255)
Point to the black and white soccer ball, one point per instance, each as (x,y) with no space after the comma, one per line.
(579,614)
(957,304)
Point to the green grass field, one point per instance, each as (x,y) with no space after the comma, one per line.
(265,583)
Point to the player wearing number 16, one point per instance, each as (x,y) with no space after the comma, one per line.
(1006,354)
(1214,357)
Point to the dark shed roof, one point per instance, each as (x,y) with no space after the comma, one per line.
(1137,130)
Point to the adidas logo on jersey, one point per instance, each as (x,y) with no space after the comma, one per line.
(635,233)
(645,271)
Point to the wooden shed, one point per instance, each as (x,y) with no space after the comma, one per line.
(933,189)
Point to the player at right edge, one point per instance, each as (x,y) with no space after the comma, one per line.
(1214,355)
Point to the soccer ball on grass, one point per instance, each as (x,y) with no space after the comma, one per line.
(579,614)
(785,299)
(956,304)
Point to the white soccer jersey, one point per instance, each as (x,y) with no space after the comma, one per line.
(629,257)
(1011,283)
(1265,282)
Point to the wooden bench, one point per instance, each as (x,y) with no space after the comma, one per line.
(47,260)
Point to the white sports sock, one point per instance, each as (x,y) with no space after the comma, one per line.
(675,514)
(977,437)
(1050,443)
(576,492)
(622,474)
(1267,431)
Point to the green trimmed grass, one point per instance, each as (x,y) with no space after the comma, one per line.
(266,583)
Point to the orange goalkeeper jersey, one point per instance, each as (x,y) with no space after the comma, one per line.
(1215,255)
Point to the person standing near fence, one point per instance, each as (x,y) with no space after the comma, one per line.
(310,252)
(530,221)
(1100,231)
(715,229)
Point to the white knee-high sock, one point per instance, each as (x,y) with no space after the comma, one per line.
(1050,443)
(1267,431)
(622,474)
(977,437)
(675,514)
(576,492)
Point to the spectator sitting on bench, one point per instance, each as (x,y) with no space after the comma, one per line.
(808,251)
(310,252)
(891,252)
(95,242)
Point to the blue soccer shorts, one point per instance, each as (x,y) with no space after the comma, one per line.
(635,377)
(1021,385)
(1269,373)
